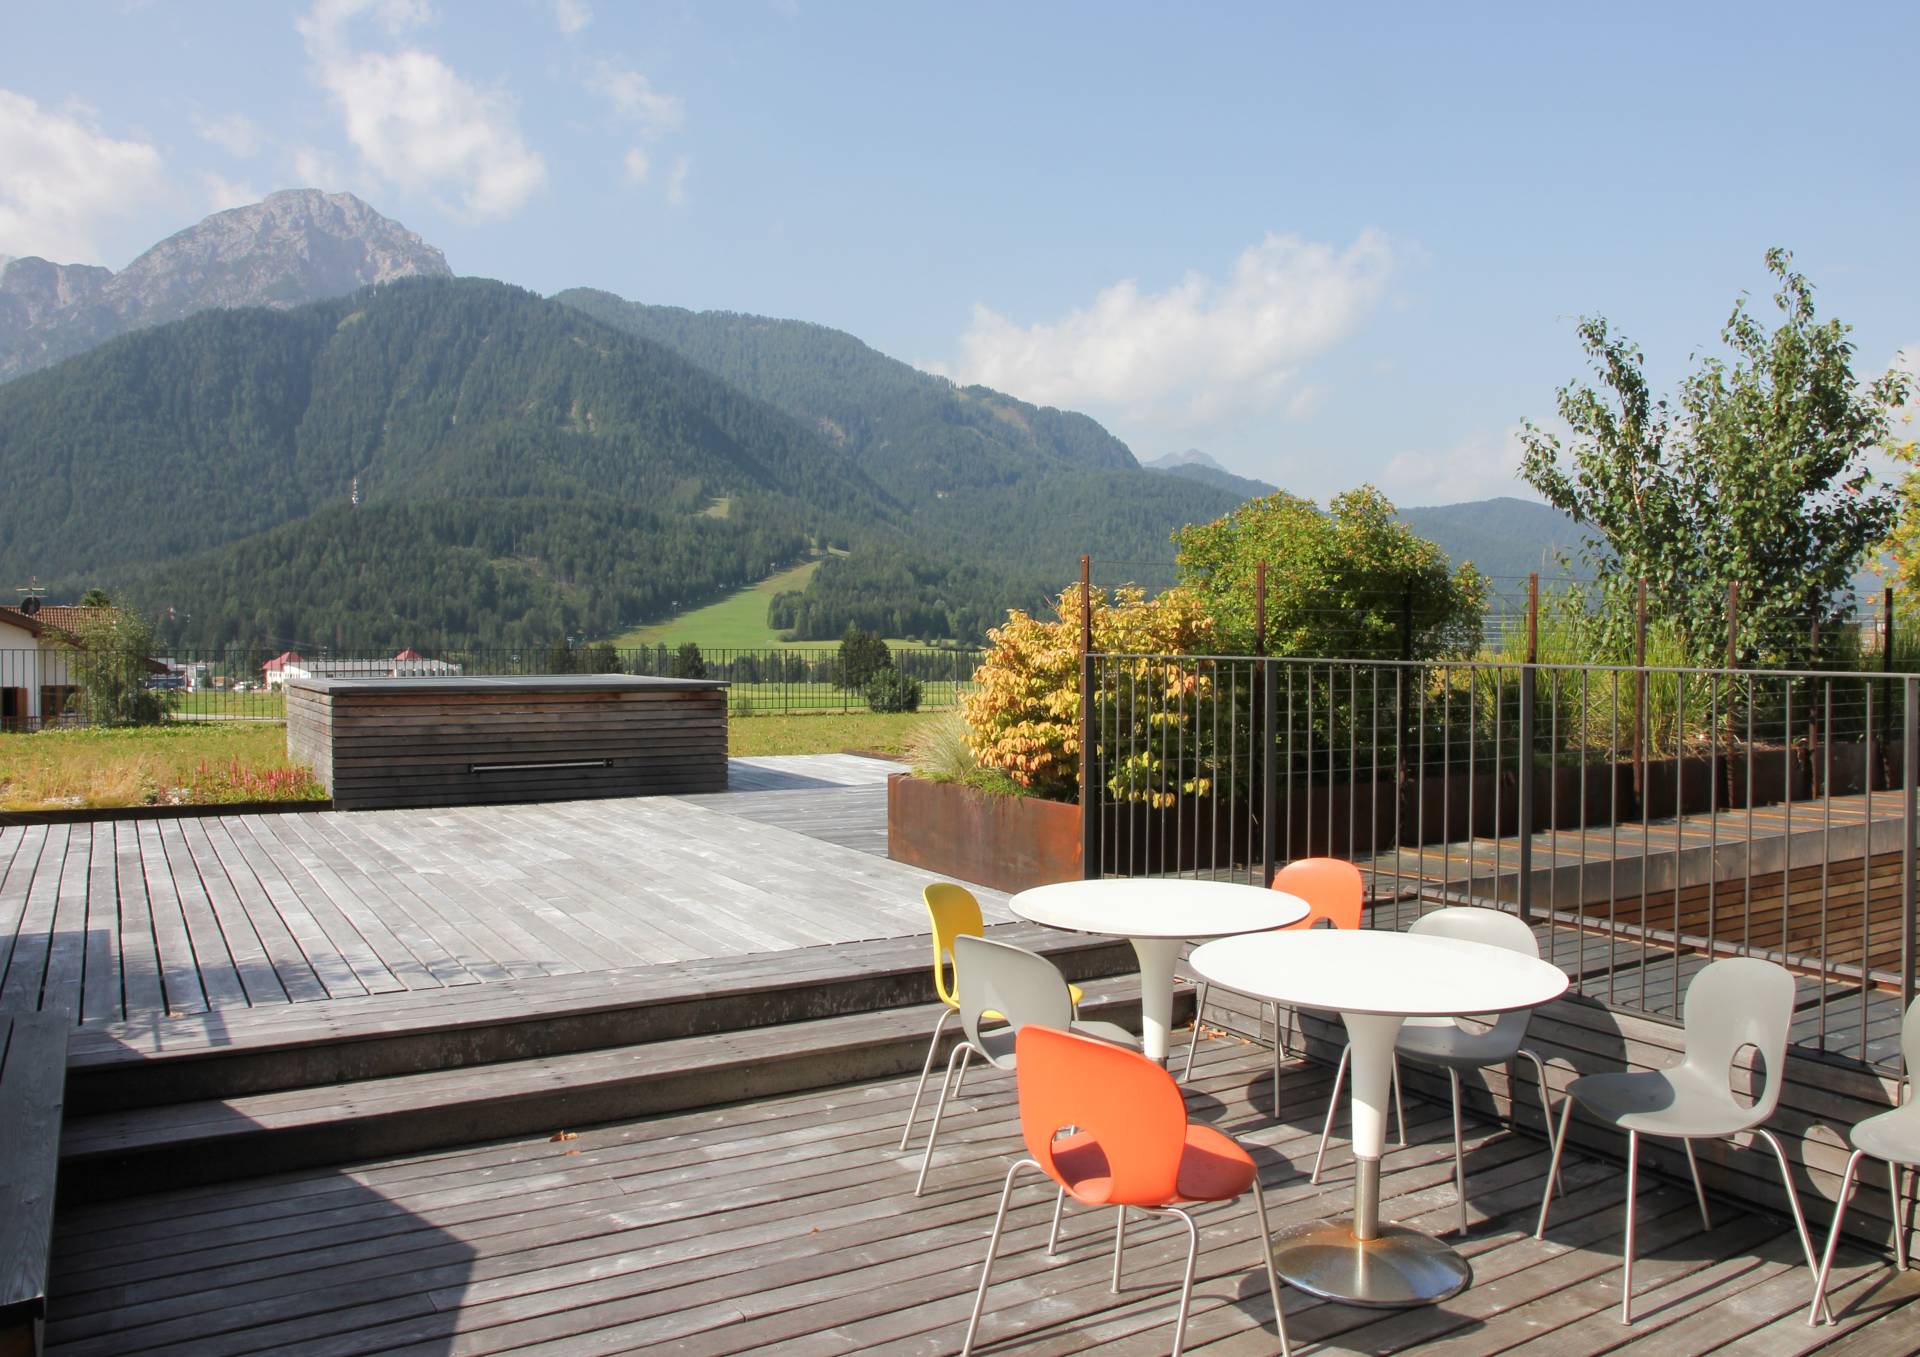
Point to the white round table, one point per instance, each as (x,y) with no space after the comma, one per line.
(1375,980)
(1157,915)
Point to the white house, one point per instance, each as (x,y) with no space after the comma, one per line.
(407,664)
(35,681)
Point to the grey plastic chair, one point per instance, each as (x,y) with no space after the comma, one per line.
(1894,1139)
(1461,1045)
(1731,1004)
(1025,989)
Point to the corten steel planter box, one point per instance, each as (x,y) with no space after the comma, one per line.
(1005,842)
(383,742)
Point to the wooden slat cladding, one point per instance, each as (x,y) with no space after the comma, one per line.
(456,742)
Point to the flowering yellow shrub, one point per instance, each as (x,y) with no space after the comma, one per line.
(1023,718)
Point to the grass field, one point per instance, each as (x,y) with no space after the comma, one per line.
(196,764)
(218,702)
(184,764)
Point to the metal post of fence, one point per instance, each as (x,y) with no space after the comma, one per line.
(1406,622)
(1909,887)
(1269,773)
(1733,624)
(1523,799)
(1089,770)
(1639,692)
(1886,631)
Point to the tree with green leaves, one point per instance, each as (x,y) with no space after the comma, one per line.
(688,663)
(110,660)
(95,597)
(1754,473)
(1353,581)
(862,655)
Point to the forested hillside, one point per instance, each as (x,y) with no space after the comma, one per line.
(127,464)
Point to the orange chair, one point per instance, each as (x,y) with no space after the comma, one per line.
(1110,1127)
(1335,896)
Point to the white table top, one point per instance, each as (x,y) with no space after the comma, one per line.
(1368,970)
(1150,907)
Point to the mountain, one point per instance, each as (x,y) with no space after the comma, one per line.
(1003,495)
(1506,538)
(294,247)
(1195,465)
(211,465)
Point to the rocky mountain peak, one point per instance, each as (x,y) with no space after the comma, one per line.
(293,247)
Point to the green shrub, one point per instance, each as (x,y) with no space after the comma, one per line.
(891,690)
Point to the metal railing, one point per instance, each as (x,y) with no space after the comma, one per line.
(1645,820)
(39,691)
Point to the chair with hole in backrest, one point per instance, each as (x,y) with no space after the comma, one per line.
(1892,1137)
(1732,1004)
(999,980)
(1458,1046)
(1110,1127)
(1335,896)
(955,913)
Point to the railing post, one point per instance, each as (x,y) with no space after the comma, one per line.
(1886,630)
(1269,775)
(1910,824)
(1089,766)
(1523,797)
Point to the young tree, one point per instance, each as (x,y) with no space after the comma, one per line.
(95,597)
(1343,583)
(1754,474)
(688,663)
(862,655)
(109,660)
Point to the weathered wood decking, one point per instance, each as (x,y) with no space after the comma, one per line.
(110,921)
(789,1226)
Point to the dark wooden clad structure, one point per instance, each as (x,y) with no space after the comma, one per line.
(33,1076)
(383,742)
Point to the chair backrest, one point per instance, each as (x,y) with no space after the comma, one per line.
(1473,923)
(997,977)
(1734,1003)
(1332,889)
(1124,1101)
(955,913)
(1910,1042)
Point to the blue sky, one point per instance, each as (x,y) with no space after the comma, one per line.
(1323,246)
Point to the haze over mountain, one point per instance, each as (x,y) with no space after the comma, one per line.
(294,247)
(1195,465)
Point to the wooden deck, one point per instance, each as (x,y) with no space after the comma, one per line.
(788,1226)
(117,920)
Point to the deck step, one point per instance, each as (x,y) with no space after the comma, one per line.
(236,1053)
(117,1153)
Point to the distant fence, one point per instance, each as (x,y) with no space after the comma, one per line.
(37,693)
(1646,819)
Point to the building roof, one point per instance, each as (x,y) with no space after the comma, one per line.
(409,654)
(13,617)
(282,660)
(69,617)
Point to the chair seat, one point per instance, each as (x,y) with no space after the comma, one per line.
(999,1042)
(1445,1043)
(1676,1102)
(1892,1137)
(1212,1168)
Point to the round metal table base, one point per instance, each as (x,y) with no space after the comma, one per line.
(1401,1268)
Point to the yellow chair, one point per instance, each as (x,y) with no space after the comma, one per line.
(955,913)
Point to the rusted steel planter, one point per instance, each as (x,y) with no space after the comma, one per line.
(1006,842)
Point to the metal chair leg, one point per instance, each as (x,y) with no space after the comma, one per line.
(1553,1168)
(1333,1104)
(1278,1051)
(1633,1187)
(1546,1103)
(1459,1151)
(1199,1010)
(961,1055)
(1053,1235)
(993,1244)
(1793,1200)
(1119,1243)
(1399,1108)
(1266,1258)
(933,1050)
(1186,1282)
(1833,1235)
(1899,1217)
(1699,1192)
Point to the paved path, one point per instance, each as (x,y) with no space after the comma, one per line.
(120,919)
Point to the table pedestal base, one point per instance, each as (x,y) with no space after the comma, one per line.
(1400,1268)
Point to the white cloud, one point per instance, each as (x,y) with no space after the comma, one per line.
(223,193)
(414,121)
(677,181)
(637,165)
(571,15)
(634,98)
(1477,467)
(315,168)
(236,134)
(1201,347)
(63,178)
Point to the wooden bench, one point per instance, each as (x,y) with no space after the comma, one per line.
(33,1075)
